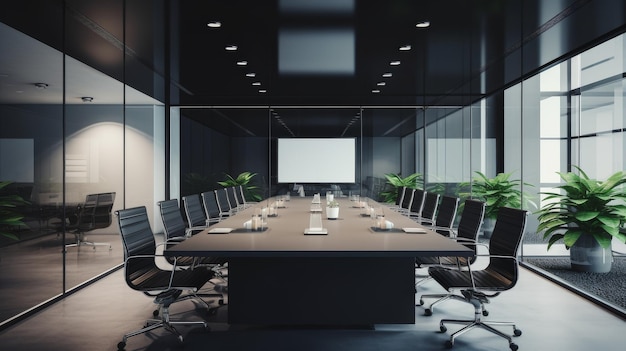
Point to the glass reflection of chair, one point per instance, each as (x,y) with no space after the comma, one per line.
(94,213)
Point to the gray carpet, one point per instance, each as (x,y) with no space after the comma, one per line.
(608,286)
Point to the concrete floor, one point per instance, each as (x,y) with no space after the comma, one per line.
(95,318)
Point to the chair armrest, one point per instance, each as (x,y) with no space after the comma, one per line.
(173,270)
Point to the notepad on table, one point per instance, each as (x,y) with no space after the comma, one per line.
(414,230)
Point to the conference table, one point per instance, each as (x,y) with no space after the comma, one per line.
(355,274)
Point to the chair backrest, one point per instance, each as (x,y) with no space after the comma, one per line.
(222,201)
(471,220)
(430,207)
(418,202)
(96,212)
(211,208)
(234,200)
(196,217)
(407,199)
(172,219)
(446,213)
(400,195)
(137,239)
(505,241)
(239,195)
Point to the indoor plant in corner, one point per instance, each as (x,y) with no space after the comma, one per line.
(244,179)
(396,182)
(587,217)
(496,192)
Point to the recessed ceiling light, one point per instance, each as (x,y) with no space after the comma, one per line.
(375,91)
(256,83)
(251,74)
(262,91)
(394,63)
(387,75)
(380,84)
(242,63)
(214,24)
(423,24)
(405,48)
(41,85)
(231,48)
(87,99)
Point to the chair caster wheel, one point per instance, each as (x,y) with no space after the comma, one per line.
(421,302)
(449,344)
(121,345)
(155,313)
(220,302)
(443,328)
(513,347)
(485,313)
(517,332)
(428,312)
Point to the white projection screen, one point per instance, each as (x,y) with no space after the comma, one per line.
(316,160)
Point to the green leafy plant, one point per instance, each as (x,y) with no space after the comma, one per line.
(332,204)
(587,207)
(9,217)
(396,182)
(244,179)
(497,192)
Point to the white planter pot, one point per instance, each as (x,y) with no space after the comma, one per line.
(332,212)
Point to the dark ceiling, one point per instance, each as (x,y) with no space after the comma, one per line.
(335,53)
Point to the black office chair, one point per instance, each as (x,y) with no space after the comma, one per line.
(427,216)
(212,210)
(415,210)
(223,204)
(446,215)
(176,231)
(94,213)
(399,198)
(142,274)
(196,216)
(242,198)
(466,233)
(407,200)
(501,274)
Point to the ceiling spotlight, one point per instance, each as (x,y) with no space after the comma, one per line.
(375,91)
(256,83)
(231,48)
(423,24)
(87,99)
(387,75)
(214,24)
(262,91)
(41,85)
(251,74)
(380,84)
(242,63)
(405,48)
(394,63)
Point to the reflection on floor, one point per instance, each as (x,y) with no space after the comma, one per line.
(96,317)
(31,271)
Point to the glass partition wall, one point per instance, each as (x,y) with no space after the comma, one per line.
(69,129)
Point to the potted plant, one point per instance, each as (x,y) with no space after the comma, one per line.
(9,217)
(244,179)
(332,210)
(499,191)
(586,216)
(396,182)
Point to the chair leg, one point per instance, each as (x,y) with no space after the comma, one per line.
(478,323)
(80,241)
(442,298)
(165,300)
